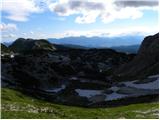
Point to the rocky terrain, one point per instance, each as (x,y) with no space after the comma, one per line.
(146,62)
(83,77)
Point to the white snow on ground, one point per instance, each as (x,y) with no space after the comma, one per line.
(148,88)
(149,85)
(114,96)
(114,88)
(91,93)
(74,78)
(88,93)
(92,81)
(154,76)
(145,86)
(87,80)
(56,89)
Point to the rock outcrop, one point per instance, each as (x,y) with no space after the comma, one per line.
(145,63)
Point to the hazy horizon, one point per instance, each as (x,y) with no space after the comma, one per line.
(73,18)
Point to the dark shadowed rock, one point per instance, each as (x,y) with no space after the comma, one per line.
(83,77)
(146,62)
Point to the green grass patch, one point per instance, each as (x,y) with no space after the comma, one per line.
(17,105)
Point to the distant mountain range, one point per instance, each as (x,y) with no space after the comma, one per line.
(126,49)
(99,42)
(128,44)
(129,48)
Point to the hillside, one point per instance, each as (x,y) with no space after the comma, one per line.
(146,62)
(79,59)
(68,46)
(4,49)
(16,105)
(127,49)
(21,45)
(83,77)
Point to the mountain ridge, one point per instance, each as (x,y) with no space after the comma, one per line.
(98,42)
(147,60)
(21,44)
(84,77)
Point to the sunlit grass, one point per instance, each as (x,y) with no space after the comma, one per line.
(18,105)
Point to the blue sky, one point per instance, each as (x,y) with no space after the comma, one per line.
(63,18)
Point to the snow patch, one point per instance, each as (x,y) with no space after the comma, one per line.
(114,96)
(114,88)
(154,76)
(88,93)
(150,85)
(56,89)
(87,80)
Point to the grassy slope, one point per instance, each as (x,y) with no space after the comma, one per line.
(17,105)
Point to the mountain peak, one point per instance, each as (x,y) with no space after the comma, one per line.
(21,45)
(147,60)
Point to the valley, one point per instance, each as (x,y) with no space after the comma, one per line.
(88,78)
(79,59)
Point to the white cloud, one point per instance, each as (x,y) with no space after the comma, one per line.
(24,34)
(88,11)
(136,3)
(124,13)
(19,10)
(141,30)
(89,17)
(8,35)
(31,32)
(8,27)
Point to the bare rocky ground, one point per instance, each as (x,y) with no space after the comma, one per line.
(91,78)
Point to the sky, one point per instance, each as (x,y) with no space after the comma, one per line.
(64,18)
